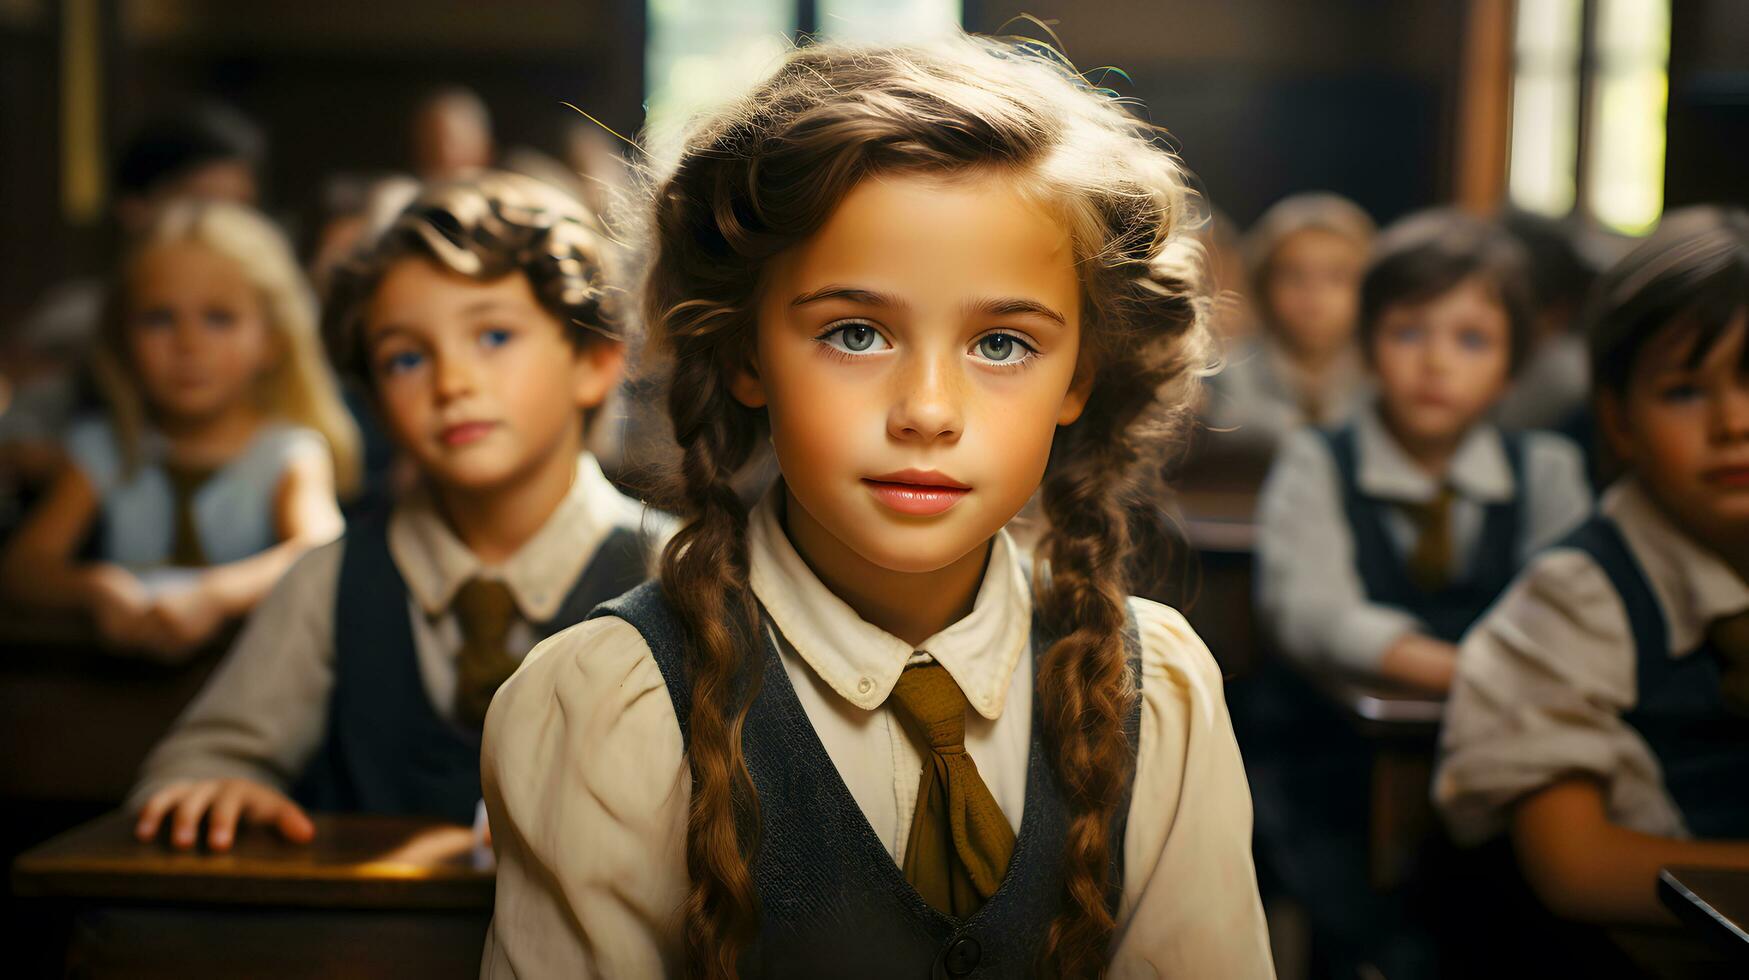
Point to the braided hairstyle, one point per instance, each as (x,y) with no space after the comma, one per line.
(761,176)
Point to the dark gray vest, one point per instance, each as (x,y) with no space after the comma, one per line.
(1679,707)
(832,902)
(387,749)
(1447,612)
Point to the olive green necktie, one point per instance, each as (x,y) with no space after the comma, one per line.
(1730,636)
(186,550)
(960,842)
(1430,564)
(484,610)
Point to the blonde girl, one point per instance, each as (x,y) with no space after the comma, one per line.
(852,732)
(217,461)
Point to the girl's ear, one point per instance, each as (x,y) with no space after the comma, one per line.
(1075,399)
(1612,421)
(595,371)
(746,384)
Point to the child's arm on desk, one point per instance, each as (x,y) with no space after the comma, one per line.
(253,729)
(307,516)
(39,570)
(1586,868)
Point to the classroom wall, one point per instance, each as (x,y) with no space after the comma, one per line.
(1709,103)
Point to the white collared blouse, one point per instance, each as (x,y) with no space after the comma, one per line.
(587,786)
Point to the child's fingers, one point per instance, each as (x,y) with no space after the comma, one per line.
(152,814)
(221,821)
(294,823)
(185,823)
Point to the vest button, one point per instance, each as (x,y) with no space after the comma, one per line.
(963,956)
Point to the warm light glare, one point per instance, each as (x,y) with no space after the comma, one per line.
(1543,166)
(884,21)
(1628,105)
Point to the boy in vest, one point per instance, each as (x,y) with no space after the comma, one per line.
(482,324)
(1382,541)
(1601,710)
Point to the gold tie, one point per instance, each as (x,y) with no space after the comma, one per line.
(484,609)
(185,547)
(1730,636)
(1430,565)
(960,842)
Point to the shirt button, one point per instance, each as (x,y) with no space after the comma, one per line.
(864,686)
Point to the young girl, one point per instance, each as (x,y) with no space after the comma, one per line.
(217,462)
(1305,257)
(842,736)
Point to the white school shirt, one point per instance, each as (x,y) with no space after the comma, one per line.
(587,785)
(265,711)
(1544,679)
(1310,594)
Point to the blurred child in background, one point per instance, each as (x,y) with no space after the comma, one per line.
(1551,389)
(484,324)
(216,464)
(1305,257)
(1601,710)
(1381,541)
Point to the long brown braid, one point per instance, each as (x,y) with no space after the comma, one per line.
(763,175)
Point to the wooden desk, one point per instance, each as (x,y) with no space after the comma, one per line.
(1402,729)
(371,896)
(1712,902)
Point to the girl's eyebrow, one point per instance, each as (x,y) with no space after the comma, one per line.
(1015,306)
(852,294)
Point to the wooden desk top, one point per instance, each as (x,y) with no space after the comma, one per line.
(1710,900)
(1380,710)
(356,861)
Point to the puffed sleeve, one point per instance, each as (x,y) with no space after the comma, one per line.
(1190,906)
(586,789)
(1541,685)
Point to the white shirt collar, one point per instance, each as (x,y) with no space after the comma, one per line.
(435,563)
(1478,469)
(862,662)
(1692,583)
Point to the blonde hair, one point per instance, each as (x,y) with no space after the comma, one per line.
(1310,211)
(298,388)
(761,176)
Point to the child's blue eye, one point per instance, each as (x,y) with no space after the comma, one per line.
(495,337)
(1409,335)
(1679,393)
(855,338)
(220,319)
(1475,341)
(154,319)
(1002,348)
(401,362)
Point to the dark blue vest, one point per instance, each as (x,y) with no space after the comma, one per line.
(832,901)
(1701,745)
(387,749)
(1449,611)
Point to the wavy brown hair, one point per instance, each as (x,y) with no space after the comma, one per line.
(763,175)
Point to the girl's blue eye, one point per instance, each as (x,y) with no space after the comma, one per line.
(855,338)
(1002,348)
(401,362)
(154,318)
(1409,335)
(220,319)
(495,337)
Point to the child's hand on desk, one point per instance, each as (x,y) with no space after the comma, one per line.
(223,802)
(119,604)
(183,620)
(1420,661)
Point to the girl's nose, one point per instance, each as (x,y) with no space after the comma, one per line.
(927,402)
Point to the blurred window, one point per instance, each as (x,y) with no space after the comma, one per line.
(700,51)
(1611,56)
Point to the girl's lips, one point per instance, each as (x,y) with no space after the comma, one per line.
(465,432)
(917,500)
